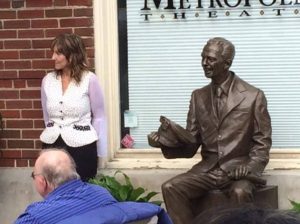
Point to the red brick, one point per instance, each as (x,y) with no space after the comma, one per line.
(41,43)
(39,124)
(22,14)
(49,53)
(22,162)
(80,2)
(60,2)
(30,33)
(17,64)
(19,104)
(32,134)
(8,74)
(2,104)
(31,162)
(30,94)
(32,114)
(38,144)
(19,124)
(43,64)
(1,67)
(56,32)
(5,4)
(39,3)
(37,104)
(19,83)
(91,62)
(8,14)
(30,154)
(90,52)
(7,163)
(32,54)
(58,13)
(9,55)
(17,44)
(31,74)
(17,4)
(3,144)
(17,144)
(83,32)
(11,94)
(10,113)
(88,42)
(6,84)
(15,24)
(6,34)
(11,154)
(83,12)
(76,22)
(44,23)
(11,134)
(34,82)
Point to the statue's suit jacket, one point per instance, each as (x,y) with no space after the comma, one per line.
(242,134)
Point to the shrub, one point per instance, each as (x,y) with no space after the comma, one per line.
(296,206)
(123,192)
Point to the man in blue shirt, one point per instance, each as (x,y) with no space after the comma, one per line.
(69,200)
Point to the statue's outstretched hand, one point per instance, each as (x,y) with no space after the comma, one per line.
(239,172)
(153,139)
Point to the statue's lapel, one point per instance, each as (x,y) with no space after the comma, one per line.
(235,97)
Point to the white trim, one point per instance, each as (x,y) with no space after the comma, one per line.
(107,67)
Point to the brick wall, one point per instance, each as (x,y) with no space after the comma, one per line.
(26,30)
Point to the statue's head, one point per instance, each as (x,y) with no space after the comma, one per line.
(217,57)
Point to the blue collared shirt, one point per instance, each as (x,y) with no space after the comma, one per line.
(79,202)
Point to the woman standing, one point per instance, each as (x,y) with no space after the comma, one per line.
(73,106)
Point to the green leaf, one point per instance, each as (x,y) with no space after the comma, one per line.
(127,179)
(150,195)
(296,206)
(156,202)
(123,192)
(136,193)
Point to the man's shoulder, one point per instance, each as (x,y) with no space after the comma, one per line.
(32,211)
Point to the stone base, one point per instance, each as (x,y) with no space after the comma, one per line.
(265,197)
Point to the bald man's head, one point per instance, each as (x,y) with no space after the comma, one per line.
(56,166)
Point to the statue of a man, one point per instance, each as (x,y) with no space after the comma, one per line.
(229,119)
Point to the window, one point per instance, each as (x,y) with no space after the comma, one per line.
(163,52)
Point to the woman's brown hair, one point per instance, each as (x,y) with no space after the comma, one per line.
(72,47)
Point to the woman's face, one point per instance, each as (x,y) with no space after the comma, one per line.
(60,60)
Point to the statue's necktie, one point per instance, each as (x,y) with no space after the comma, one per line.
(219,101)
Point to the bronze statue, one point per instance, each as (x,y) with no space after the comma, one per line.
(229,119)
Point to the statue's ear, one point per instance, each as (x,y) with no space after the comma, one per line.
(228,63)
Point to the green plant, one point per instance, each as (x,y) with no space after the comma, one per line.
(296,206)
(123,192)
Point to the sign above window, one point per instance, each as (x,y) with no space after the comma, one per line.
(174,10)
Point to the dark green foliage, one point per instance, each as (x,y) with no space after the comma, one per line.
(296,206)
(123,192)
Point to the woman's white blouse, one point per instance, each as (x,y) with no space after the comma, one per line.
(77,114)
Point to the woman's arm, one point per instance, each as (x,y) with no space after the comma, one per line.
(99,120)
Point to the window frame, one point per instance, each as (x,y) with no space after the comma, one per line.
(107,69)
